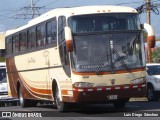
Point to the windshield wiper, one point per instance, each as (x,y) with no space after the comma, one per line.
(120,59)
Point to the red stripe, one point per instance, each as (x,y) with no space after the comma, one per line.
(111,88)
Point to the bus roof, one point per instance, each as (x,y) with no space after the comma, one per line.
(74,11)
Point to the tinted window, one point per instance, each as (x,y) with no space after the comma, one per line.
(15,43)
(31,38)
(40,32)
(153,70)
(51,31)
(23,41)
(104,22)
(2,75)
(61,25)
(9,45)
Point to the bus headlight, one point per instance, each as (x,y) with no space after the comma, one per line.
(138,81)
(157,80)
(83,85)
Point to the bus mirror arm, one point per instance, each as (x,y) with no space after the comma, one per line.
(68,39)
(151,35)
(142,26)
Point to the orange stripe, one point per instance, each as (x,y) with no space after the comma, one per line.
(105,73)
(40,91)
(64,92)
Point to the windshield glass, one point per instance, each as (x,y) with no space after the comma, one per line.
(107,42)
(104,22)
(2,75)
(153,70)
(108,51)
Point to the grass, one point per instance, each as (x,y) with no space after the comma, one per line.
(2,59)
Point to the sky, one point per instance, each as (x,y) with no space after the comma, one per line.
(10,10)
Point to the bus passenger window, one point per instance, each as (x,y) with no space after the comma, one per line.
(9,45)
(40,32)
(51,32)
(31,38)
(61,25)
(15,44)
(23,41)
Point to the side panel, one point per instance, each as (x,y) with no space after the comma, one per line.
(35,71)
(11,76)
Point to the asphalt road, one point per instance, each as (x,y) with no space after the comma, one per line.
(134,110)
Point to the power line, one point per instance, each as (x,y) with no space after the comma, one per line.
(29,12)
(150,6)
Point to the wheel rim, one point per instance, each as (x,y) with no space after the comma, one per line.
(57,98)
(20,97)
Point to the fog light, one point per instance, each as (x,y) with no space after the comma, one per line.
(138,81)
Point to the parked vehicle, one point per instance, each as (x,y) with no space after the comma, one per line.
(4,97)
(153,81)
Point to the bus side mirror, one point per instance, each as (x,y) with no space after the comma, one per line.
(68,39)
(151,37)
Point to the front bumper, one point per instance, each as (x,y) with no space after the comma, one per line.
(106,94)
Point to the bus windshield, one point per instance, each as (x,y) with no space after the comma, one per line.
(108,49)
(104,22)
(108,52)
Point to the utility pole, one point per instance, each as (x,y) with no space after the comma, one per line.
(148,15)
(32,7)
(148,3)
(29,12)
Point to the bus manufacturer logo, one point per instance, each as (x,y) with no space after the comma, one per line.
(112,81)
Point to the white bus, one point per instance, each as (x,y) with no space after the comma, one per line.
(4,96)
(88,54)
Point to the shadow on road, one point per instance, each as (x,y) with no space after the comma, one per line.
(109,108)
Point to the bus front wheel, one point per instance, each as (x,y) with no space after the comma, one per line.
(61,106)
(120,103)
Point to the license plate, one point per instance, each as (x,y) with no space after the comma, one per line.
(112,97)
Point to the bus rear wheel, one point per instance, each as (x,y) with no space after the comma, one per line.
(61,106)
(23,102)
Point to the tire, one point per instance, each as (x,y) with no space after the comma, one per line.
(22,101)
(14,103)
(32,103)
(151,95)
(120,103)
(61,106)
